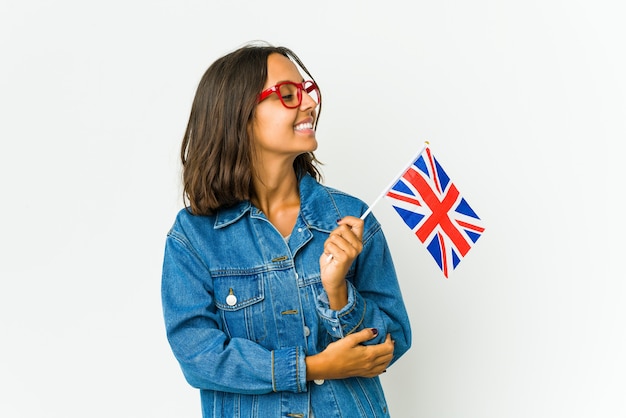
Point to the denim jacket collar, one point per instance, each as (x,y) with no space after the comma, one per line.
(315,202)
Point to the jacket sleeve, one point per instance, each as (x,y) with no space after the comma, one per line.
(374,296)
(208,358)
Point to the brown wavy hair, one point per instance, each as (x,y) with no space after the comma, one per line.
(216,151)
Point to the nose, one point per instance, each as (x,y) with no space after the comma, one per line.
(307,101)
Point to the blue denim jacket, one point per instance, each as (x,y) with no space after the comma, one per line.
(243,308)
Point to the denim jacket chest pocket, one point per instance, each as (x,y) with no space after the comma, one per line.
(239,297)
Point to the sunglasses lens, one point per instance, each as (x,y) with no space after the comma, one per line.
(291,97)
(288,93)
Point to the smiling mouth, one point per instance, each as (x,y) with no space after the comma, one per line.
(303,126)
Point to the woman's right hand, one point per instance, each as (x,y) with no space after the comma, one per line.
(348,357)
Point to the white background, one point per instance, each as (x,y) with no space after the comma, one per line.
(523,104)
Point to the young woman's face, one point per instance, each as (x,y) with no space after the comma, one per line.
(277,130)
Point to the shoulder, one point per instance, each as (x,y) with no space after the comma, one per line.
(322,205)
(187,225)
(185,217)
(346,201)
(321,199)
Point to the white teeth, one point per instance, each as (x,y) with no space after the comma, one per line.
(306,125)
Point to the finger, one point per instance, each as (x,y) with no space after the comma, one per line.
(383,360)
(346,241)
(355,224)
(331,251)
(341,250)
(380,367)
(382,363)
(388,339)
(385,351)
(365,334)
(325,258)
(354,236)
(334,251)
(390,343)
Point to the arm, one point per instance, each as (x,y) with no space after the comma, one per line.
(348,357)
(208,358)
(374,298)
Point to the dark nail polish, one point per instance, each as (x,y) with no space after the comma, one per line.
(374,331)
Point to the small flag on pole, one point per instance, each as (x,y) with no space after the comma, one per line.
(430,204)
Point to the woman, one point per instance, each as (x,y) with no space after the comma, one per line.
(278,300)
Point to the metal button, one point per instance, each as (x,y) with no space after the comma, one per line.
(319,381)
(307,331)
(231,299)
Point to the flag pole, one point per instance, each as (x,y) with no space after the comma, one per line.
(395,179)
(386,189)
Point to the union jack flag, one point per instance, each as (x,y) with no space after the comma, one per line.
(430,204)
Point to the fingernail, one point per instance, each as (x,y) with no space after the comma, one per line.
(385,371)
(374,331)
(338,220)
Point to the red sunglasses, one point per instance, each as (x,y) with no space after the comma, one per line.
(290,93)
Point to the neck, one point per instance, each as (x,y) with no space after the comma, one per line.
(277,196)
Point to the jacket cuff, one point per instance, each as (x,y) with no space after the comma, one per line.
(346,320)
(289,370)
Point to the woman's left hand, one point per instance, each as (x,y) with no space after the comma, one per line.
(342,246)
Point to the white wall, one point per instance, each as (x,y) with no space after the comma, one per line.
(523,103)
